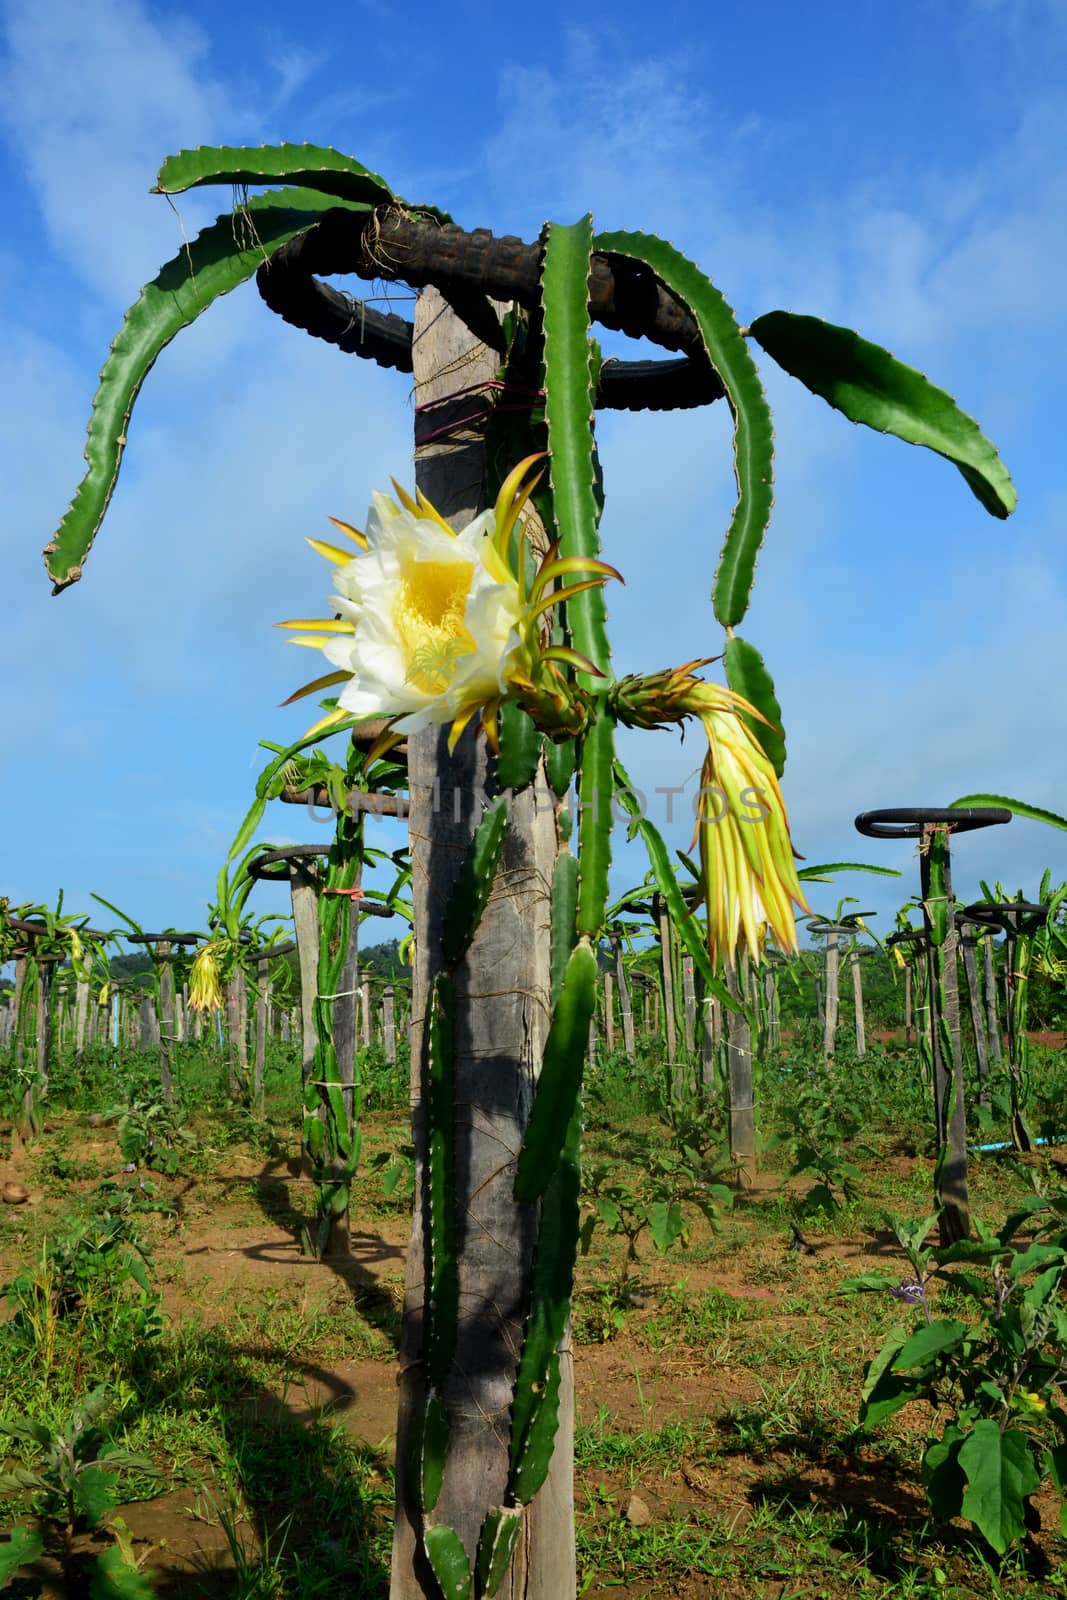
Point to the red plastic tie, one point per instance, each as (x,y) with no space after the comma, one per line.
(353,894)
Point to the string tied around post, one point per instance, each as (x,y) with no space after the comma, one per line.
(491,388)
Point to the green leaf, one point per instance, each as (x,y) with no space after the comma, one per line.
(496,1546)
(967,1282)
(892,1391)
(594,825)
(814,874)
(1034,1256)
(945,1482)
(559,764)
(753,432)
(314,1137)
(535,1404)
(532,1467)
(968,1250)
(448,1558)
(1056,1466)
(933,1339)
(564,910)
(118,1459)
(137,1270)
(18,1549)
(442,1303)
(96,1491)
(560,1081)
(867,1283)
(659,858)
(112,1578)
(520,748)
(475,881)
(308,166)
(20,1478)
(89,1410)
(747,675)
(569,394)
(243,836)
(433,1448)
(880,1385)
(1000,1473)
(665,1224)
(218,259)
(22,1427)
(870,386)
(1019,807)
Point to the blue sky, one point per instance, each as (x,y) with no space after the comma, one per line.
(894,168)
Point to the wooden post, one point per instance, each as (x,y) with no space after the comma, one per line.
(81,1015)
(502,1010)
(922,1023)
(388,1023)
(237,1020)
(663,923)
(1016,973)
(739,1065)
(969,949)
(625,1005)
(609,1012)
(710,1013)
(346,1009)
(305,903)
(689,1001)
(18,1006)
(260,1057)
(772,1007)
(829,1029)
(344,1035)
(366,1036)
(148,1023)
(996,1051)
(857,1001)
(943,1002)
(167,1030)
(45,975)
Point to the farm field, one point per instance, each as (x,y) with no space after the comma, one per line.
(718,1381)
(533,938)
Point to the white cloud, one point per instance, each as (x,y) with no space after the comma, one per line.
(295,66)
(93,97)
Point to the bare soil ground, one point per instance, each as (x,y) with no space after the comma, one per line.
(720,1338)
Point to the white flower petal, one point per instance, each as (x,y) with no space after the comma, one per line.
(435,629)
